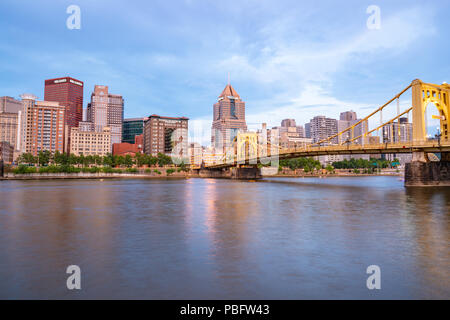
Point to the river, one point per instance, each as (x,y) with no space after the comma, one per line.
(278,238)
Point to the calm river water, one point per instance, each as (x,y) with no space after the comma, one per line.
(219,239)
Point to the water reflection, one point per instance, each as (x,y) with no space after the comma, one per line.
(206,238)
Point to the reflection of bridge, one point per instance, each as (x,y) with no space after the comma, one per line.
(251,150)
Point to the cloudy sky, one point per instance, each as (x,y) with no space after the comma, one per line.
(286,59)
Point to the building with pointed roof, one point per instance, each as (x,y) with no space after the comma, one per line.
(228,118)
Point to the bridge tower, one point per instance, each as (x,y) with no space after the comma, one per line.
(422,95)
(246,147)
(422,172)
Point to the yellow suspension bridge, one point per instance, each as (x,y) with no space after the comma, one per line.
(249,151)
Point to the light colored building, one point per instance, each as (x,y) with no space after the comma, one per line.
(321,127)
(45,128)
(289,134)
(348,119)
(106,110)
(90,143)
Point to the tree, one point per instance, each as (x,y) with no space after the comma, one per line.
(128,161)
(44,157)
(163,160)
(27,158)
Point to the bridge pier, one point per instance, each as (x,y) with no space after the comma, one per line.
(1,168)
(421,172)
(246,173)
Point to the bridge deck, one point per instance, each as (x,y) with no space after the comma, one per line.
(404,147)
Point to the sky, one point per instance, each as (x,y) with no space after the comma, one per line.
(286,59)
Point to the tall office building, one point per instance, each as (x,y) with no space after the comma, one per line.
(106,110)
(45,126)
(132,128)
(69,93)
(228,119)
(166,135)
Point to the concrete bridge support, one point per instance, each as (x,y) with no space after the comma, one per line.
(244,173)
(421,172)
(250,173)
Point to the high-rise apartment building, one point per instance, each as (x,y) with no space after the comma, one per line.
(69,93)
(228,119)
(45,126)
(88,142)
(322,127)
(132,128)
(106,110)
(348,119)
(399,131)
(166,135)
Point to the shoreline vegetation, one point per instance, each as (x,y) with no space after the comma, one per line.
(61,166)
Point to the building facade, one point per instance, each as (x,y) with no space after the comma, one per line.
(228,119)
(348,119)
(90,143)
(125,148)
(6,152)
(132,128)
(9,123)
(10,105)
(321,128)
(45,126)
(69,93)
(166,135)
(106,110)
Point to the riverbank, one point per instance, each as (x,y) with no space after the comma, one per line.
(99,175)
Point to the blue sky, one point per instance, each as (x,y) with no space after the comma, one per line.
(287,59)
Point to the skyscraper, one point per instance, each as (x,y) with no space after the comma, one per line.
(69,93)
(228,119)
(132,128)
(106,109)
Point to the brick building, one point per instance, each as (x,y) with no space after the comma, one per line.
(168,135)
(45,126)
(125,148)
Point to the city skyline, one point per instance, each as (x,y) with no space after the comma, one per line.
(286,63)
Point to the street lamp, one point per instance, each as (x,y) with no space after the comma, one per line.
(438,136)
